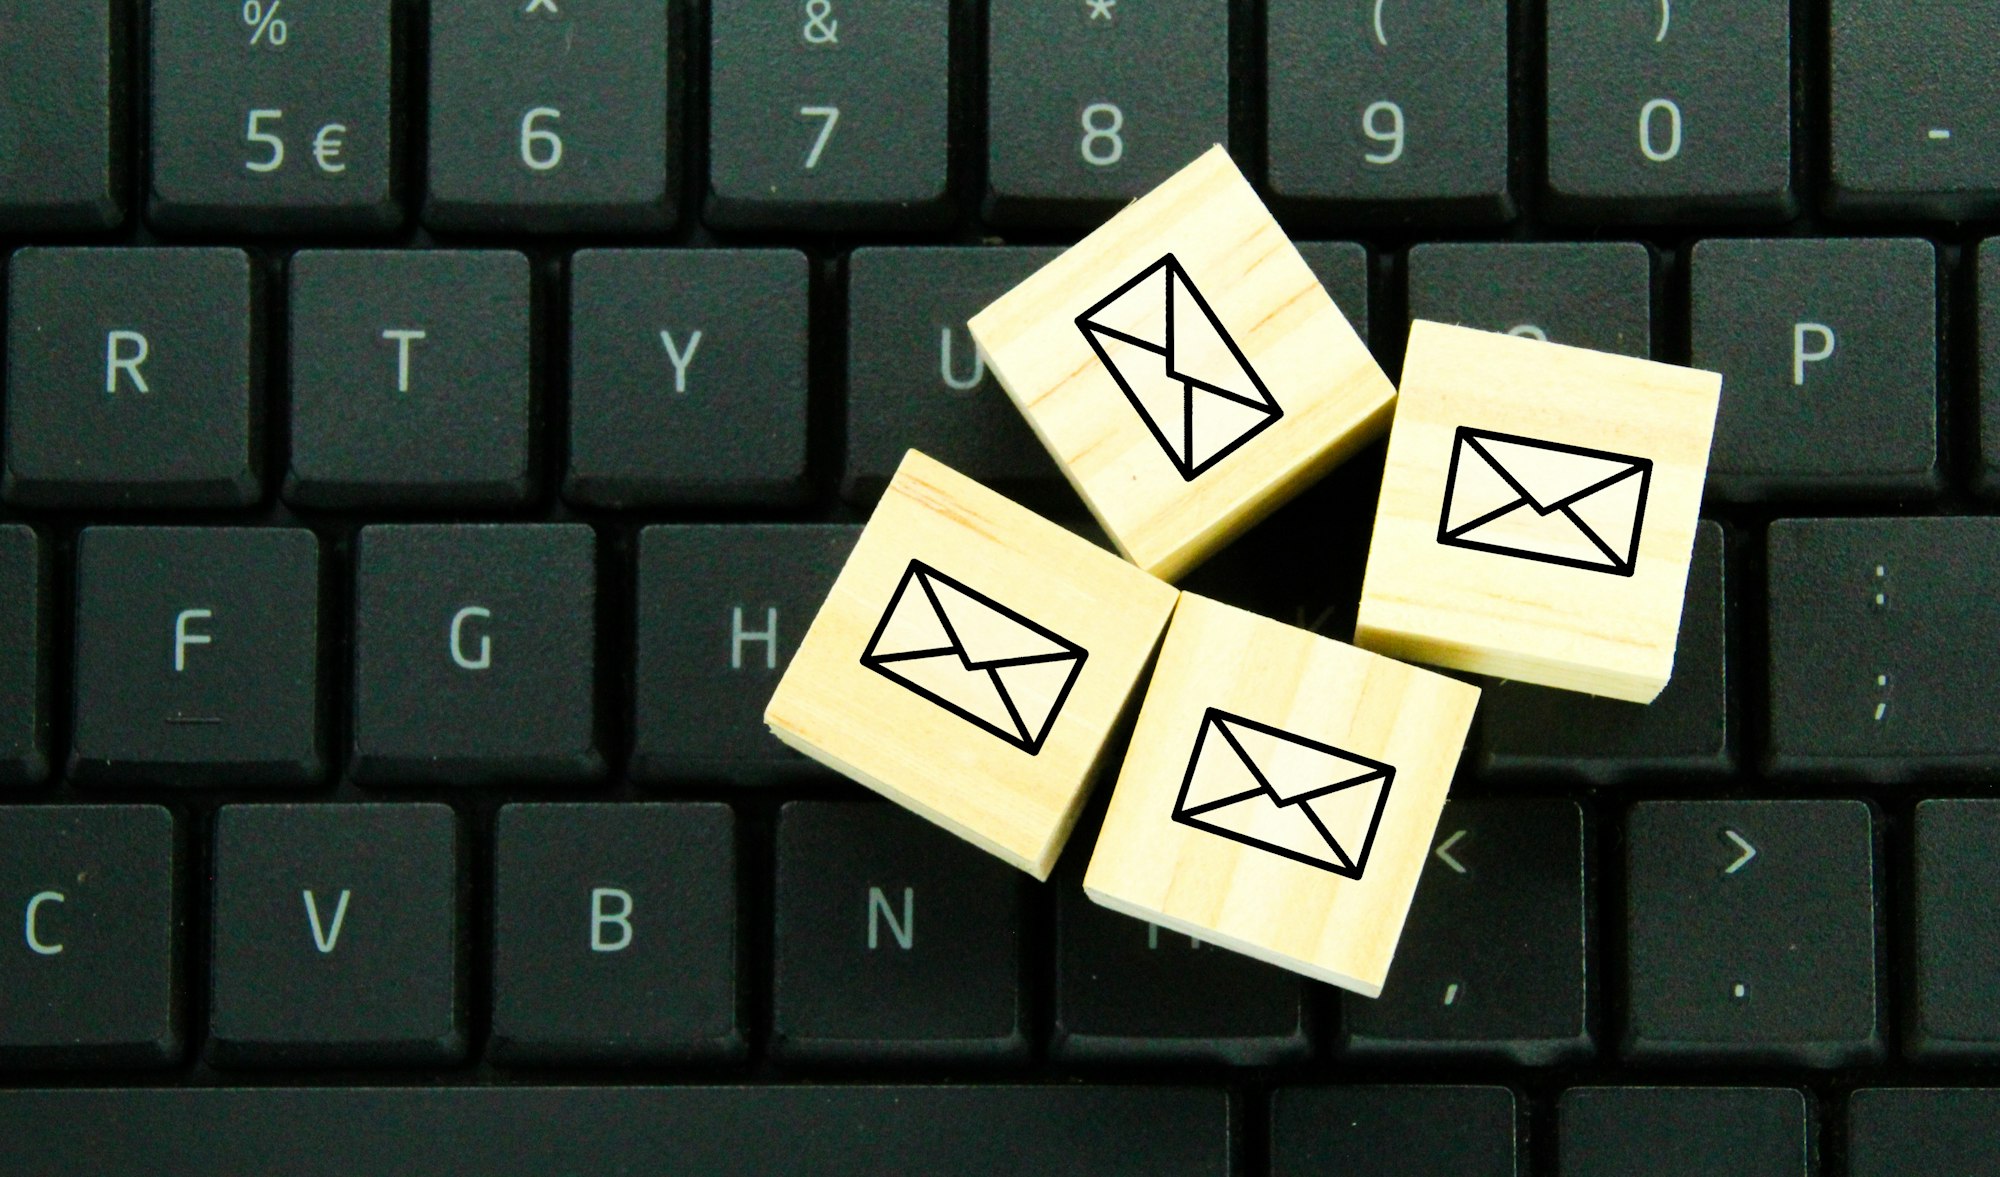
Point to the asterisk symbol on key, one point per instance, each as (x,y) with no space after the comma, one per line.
(1101,9)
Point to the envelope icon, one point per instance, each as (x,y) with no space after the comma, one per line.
(1544,500)
(974,657)
(1177,364)
(1295,797)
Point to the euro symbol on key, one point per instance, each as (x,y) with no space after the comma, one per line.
(819,30)
(327,148)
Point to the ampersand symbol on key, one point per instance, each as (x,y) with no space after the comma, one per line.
(819,30)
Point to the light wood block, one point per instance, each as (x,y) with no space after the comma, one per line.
(1312,878)
(970,661)
(1235,309)
(1462,580)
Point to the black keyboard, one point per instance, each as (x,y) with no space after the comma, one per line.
(428,428)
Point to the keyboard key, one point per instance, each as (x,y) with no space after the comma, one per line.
(1531,731)
(614,933)
(914,380)
(62,120)
(24,684)
(1988,280)
(1829,360)
(1751,932)
(549,115)
(1341,267)
(1401,118)
(1871,671)
(336,935)
(273,118)
(475,654)
(894,940)
(687,376)
(1674,1131)
(197,656)
(1091,105)
(1130,990)
(828,116)
(1597,295)
(721,609)
(1670,111)
(1394,1131)
(1912,93)
(132,379)
(1952,1015)
(93,979)
(504,1131)
(1918,1131)
(411,381)
(1494,954)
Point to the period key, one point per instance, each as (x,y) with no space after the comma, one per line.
(549,115)
(274,117)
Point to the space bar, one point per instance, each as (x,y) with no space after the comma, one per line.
(634,1131)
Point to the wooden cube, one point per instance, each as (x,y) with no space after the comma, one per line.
(1280,794)
(1538,512)
(970,662)
(1185,367)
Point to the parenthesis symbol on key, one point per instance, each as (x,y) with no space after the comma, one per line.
(1666,20)
(1381,37)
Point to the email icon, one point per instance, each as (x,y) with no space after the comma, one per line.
(974,657)
(1295,797)
(1543,500)
(1171,356)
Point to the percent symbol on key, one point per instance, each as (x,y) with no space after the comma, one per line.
(265,23)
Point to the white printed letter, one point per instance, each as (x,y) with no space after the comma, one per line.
(678,358)
(768,635)
(1800,356)
(117,359)
(402,338)
(35,944)
(325,938)
(600,919)
(484,658)
(905,932)
(183,639)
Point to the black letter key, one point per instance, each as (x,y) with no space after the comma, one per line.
(1913,95)
(474,653)
(721,608)
(549,114)
(687,376)
(336,935)
(614,933)
(828,113)
(894,940)
(410,378)
(197,656)
(1829,360)
(268,116)
(90,936)
(1751,932)
(1957,936)
(132,378)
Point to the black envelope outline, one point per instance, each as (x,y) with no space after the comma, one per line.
(1625,565)
(1354,865)
(1188,472)
(880,664)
